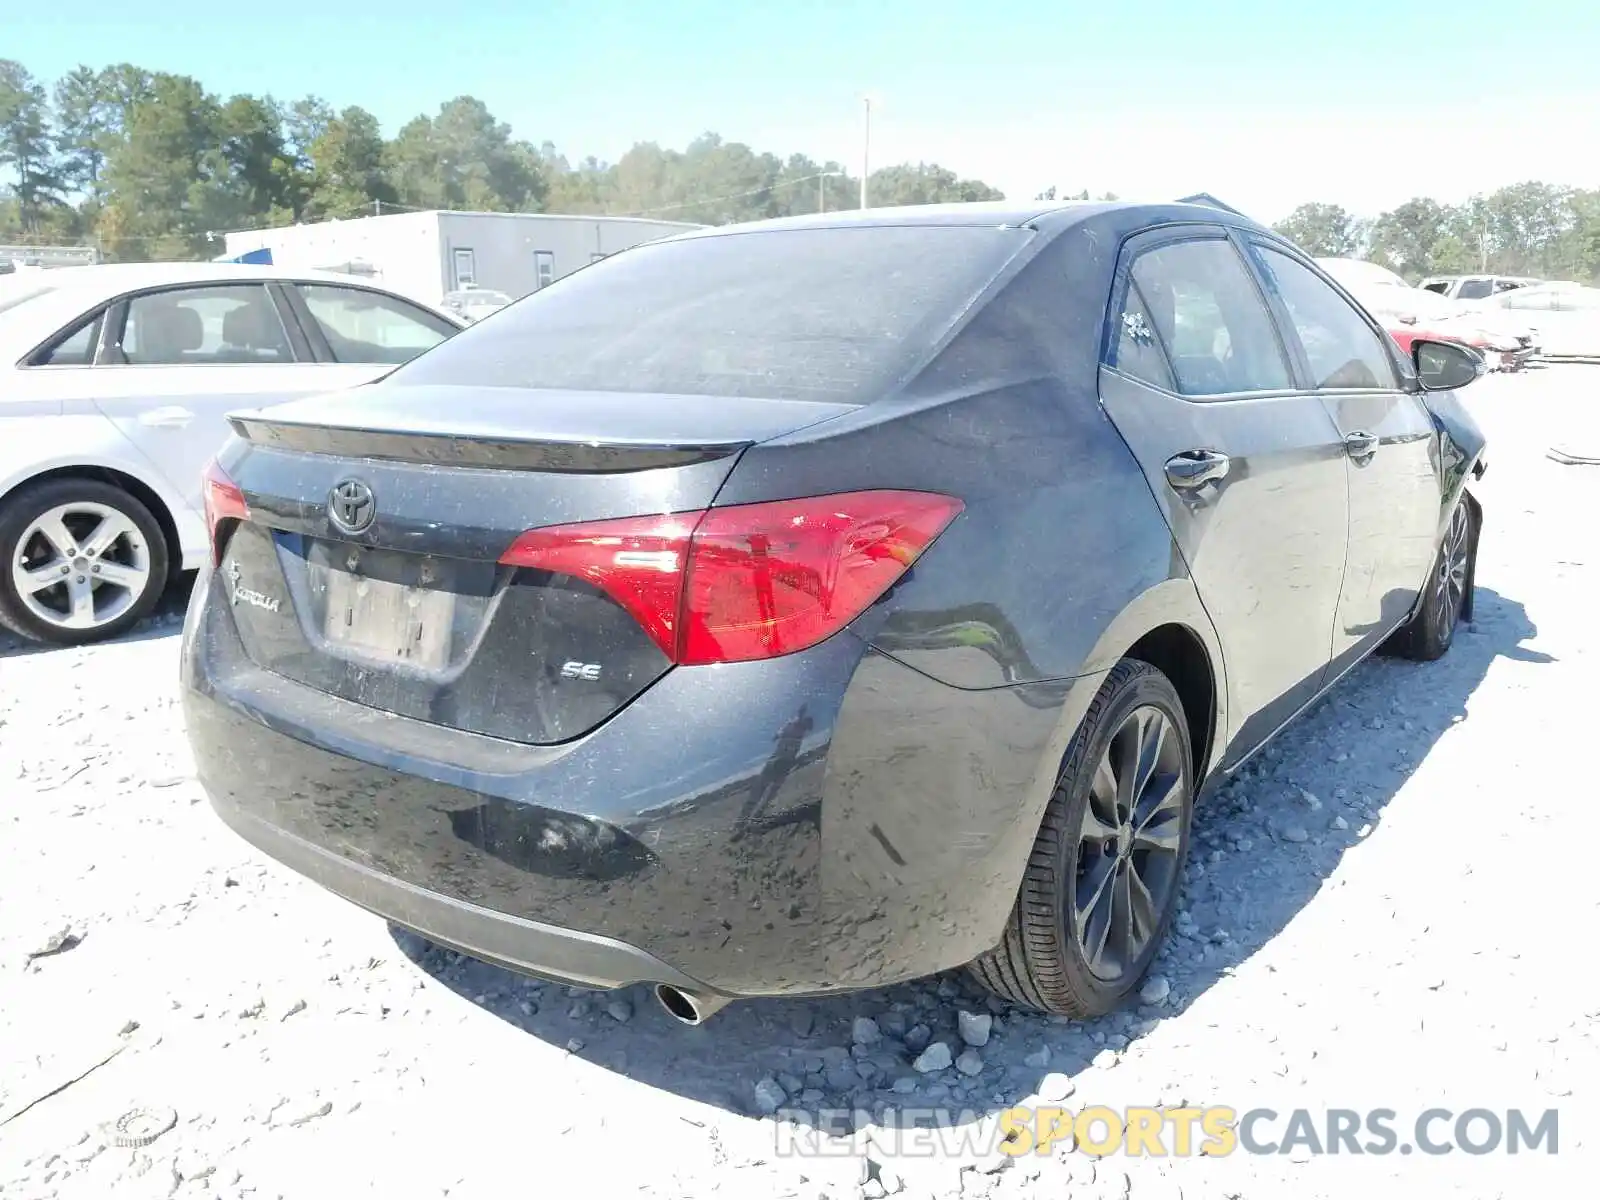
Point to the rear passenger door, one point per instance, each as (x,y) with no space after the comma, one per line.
(175,361)
(1249,469)
(1389,443)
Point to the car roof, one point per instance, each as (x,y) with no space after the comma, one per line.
(1050,216)
(122,277)
(73,292)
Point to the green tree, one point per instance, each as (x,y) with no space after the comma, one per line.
(925,183)
(465,159)
(347,168)
(1405,238)
(167,178)
(1322,230)
(27,146)
(263,184)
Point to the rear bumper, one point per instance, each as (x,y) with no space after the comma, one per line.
(517,944)
(828,820)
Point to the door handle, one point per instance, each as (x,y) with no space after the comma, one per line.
(1196,468)
(1361,444)
(171,417)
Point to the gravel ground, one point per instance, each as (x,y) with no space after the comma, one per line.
(1392,909)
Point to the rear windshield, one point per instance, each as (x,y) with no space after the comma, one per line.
(798,314)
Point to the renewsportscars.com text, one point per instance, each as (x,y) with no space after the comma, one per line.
(1140,1132)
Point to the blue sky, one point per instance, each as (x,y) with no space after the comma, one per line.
(1360,103)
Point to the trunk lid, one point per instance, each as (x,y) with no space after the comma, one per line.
(368,566)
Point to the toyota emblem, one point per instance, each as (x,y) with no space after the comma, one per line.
(351,507)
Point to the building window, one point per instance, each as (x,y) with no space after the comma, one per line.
(545,260)
(466,270)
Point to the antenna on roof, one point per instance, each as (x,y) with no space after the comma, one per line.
(1210,201)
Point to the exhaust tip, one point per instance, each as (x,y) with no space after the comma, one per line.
(686,1006)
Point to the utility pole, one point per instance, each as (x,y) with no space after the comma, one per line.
(866,145)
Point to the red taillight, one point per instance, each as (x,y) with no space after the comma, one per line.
(223,502)
(637,561)
(748,581)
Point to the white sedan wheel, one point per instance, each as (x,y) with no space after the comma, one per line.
(81,565)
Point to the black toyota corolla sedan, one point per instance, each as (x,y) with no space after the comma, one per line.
(812,605)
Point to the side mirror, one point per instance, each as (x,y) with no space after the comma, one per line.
(1442,366)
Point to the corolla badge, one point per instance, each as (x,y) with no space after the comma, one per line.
(244,595)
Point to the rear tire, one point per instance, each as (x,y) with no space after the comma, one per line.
(1098,839)
(123,578)
(1448,594)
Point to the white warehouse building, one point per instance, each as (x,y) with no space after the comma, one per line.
(427,255)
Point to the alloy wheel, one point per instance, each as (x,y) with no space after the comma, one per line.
(81,565)
(1450,583)
(1129,843)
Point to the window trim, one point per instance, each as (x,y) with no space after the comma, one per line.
(1306,381)
(321,351)
(1142,242)
(95,316)
(110,352)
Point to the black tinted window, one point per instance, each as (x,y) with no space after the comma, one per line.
(1210,317)
(1475,289)
(1138,353)
(808,314)
(1342,349)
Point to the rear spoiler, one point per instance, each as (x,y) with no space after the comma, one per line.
(1207,200)
(505,453)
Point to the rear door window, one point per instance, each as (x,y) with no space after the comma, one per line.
(1207,313)
(792,314)
(220,324)
(74,348)
(1138,351)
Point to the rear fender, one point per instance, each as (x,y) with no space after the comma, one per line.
(1173,601)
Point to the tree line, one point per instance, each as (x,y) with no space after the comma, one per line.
(1536,229)
(149,165)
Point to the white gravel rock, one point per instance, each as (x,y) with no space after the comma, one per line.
(1056,1086)
(770,1096)
(1155,990)
(974,1027)
(935,1058)
(969,1062)
(864,1031)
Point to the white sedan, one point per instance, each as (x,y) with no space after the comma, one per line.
(115,382)
(1508,338)
(1568,316)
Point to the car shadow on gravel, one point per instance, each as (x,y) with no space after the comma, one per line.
(1263,847)
(164,621)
